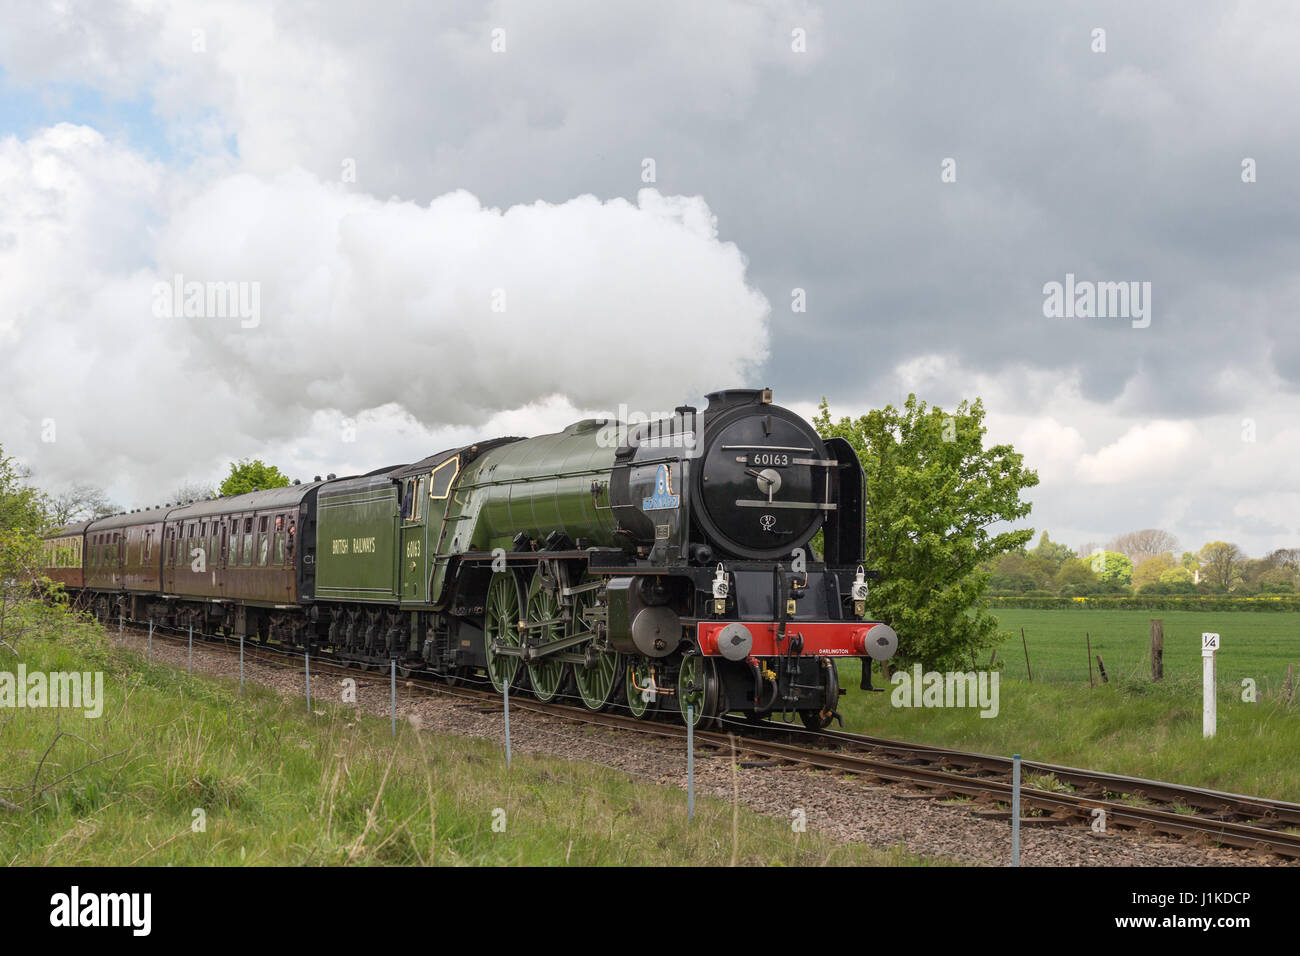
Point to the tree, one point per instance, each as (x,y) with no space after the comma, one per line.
(1280,580)
(1076,578)
(933,493)
(1221,565)
(22,517)
(1144,544)
(1175,580)
(1111,567)
(1285,558)
(1016,573)
(80,502)
(1252,570)
(195,491)
(255,475)
(1050,550)
(1150,570)
(22,507)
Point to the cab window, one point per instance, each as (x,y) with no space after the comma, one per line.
(440,478)
(408,500)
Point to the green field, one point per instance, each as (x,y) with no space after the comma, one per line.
(1254,645)
(1129,725)
(277,785)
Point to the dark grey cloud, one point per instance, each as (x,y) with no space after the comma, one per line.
(824,169)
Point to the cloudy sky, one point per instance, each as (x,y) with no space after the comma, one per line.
(456,220)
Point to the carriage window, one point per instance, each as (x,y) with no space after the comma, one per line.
(263,542)
(248,542)
(279,539)
(440,478)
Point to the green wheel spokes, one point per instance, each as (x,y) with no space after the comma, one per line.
(641,700)
(697,689)
(548,673)
(598,684)
(501,626)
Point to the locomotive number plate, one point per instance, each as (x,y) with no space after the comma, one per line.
(779,459)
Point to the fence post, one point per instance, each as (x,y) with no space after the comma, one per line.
(191,648)
(392,683)
(241,663)
(1015,809)
(121,616)
(1157,650)
(506,685)
(307,671)
(1026,643)
(150,639)
(690,761)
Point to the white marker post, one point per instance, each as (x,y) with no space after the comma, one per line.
(1209,647)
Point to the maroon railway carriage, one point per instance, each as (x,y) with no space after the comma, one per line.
(209,563)
(240,562)
(65,556)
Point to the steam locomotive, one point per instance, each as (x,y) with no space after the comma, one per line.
(658,566)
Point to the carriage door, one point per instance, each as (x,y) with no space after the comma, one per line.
(414,491)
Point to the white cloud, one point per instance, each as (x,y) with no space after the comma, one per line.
(1147,452)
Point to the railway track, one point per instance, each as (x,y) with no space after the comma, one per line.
(1054,795)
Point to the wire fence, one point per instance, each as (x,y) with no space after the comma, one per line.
(285,659)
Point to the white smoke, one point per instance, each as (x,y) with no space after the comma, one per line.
(440,316)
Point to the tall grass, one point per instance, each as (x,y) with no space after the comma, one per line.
(183,770)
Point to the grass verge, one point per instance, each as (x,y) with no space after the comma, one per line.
(186,771)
